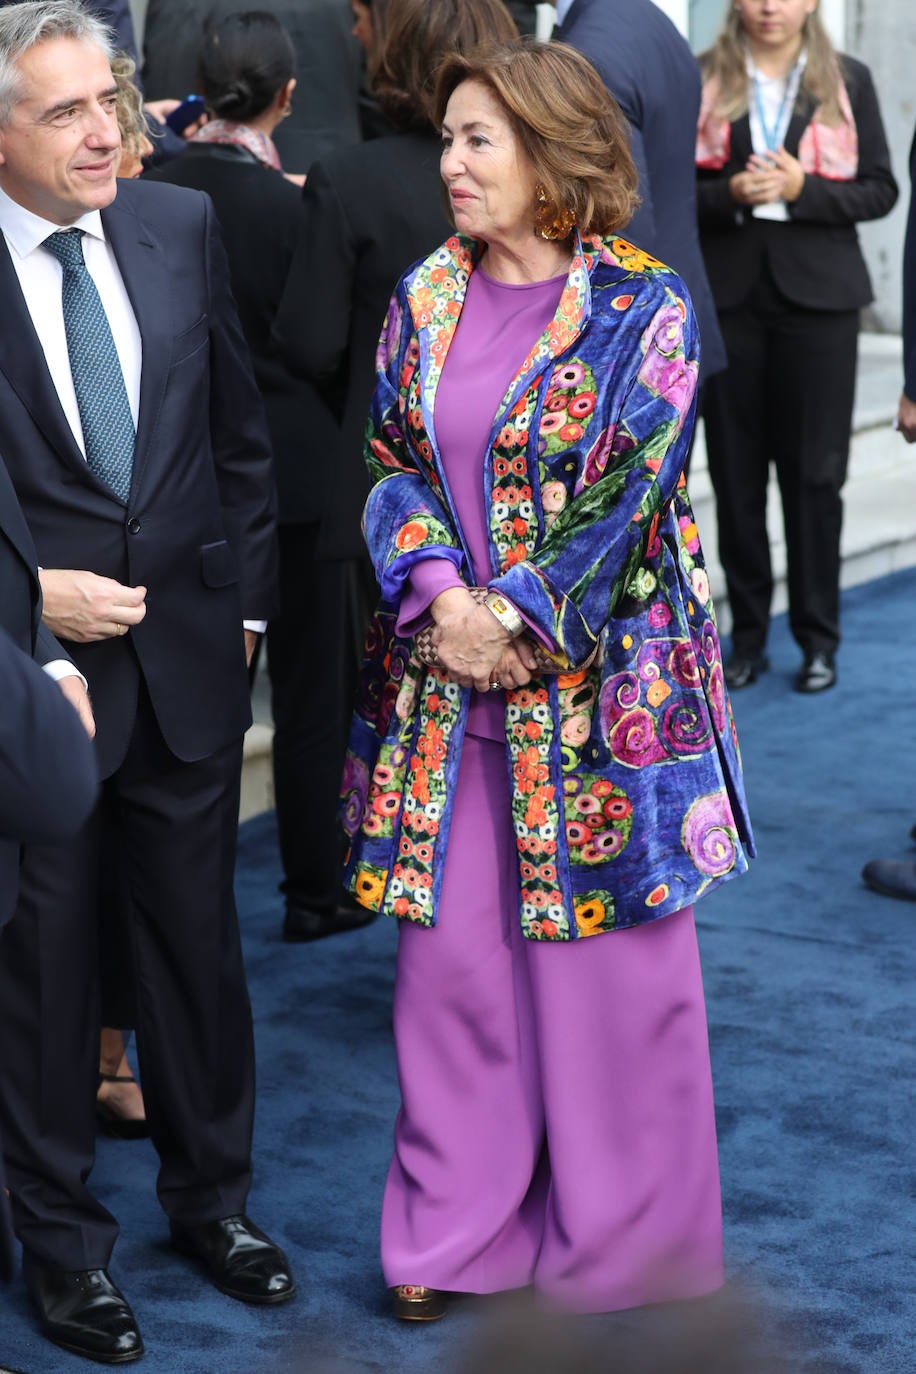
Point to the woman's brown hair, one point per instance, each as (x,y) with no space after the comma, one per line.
(570,126)
(414,37)
(726,61)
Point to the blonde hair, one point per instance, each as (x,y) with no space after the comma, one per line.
(726,63)
(129,106)
(572,129)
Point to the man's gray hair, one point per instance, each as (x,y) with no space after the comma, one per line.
(36,21)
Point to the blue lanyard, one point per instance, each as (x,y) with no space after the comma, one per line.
(771,135)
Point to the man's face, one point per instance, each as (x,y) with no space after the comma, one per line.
(60,149)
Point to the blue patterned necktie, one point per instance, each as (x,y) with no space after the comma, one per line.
(108,426)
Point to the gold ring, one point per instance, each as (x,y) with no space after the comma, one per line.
(121,629)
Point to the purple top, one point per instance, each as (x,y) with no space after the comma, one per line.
(498,324)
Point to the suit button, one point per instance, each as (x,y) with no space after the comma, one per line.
(134,525)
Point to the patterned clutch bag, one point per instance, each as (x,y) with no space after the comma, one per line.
(546,663)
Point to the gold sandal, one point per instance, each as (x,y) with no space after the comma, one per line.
(413,1303)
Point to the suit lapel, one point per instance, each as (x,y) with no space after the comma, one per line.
(22,361)
(143,268)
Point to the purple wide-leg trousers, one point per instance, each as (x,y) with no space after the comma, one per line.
(557,1124)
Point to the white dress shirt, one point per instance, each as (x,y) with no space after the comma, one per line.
(772,99)
(40,276)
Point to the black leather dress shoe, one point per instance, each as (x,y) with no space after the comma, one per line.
(818,672)
(83,1311)
(741,672)
(892,878)
(242,1262)
(301,923)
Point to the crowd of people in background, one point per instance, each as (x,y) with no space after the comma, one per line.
(409,393)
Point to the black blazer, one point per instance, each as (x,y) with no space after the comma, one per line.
(371,212)
(325,107)
(649,69)
(814,256)
(198,530)
(48,777)
(262,221)
(909,286)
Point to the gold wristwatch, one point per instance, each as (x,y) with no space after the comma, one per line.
(505,613)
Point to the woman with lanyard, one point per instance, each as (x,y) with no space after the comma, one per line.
(791,155)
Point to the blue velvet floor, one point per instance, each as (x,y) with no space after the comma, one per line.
(810,983)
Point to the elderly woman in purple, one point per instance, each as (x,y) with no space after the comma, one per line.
(543,774)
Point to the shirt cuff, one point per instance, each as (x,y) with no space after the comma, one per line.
(256,626)
(60,668)
(425,581)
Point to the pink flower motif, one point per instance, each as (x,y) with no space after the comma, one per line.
(709,835)
(658,615)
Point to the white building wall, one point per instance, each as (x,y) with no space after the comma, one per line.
(882,33)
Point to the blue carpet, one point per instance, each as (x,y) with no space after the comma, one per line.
(810,983)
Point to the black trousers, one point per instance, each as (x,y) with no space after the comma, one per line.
(176,830)
(786,398)
(314,649)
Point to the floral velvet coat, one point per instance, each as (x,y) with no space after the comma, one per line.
(627,793)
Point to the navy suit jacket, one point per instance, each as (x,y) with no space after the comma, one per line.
(198,528)
(909,287)
(650,71)
(47,770)
(48,777)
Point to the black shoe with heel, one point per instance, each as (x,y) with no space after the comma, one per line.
(817,673)
(741,670)
(112,1123)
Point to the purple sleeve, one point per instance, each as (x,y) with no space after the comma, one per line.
(427,578)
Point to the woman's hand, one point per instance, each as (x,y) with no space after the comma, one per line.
(768,178)
(515,666)
(469,639)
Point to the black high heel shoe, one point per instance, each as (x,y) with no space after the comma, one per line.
(110,1122)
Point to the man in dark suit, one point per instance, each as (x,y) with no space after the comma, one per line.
(116,14)
(650,71)
(897,877)
(48,781)
(134,435)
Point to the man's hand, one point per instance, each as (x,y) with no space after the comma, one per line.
(73,689)
(906,418)
(251,641)
(83,607)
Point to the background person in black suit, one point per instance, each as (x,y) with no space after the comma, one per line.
(116,14)
(650,71)
(246,71)
(183,515)
(790,157)
(897,877)
(48,779)
(325,114)
(370,211)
